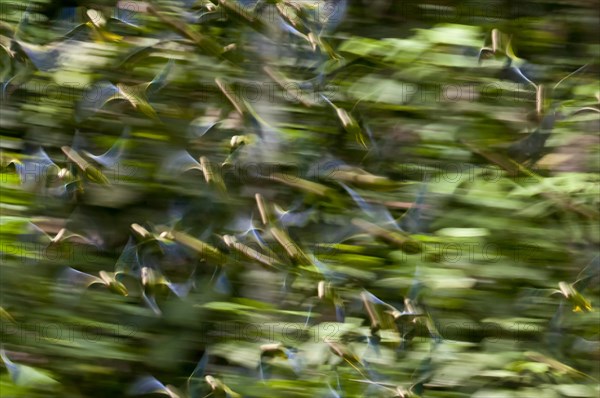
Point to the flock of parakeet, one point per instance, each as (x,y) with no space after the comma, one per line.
(261,236)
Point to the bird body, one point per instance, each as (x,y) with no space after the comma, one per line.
(531,148)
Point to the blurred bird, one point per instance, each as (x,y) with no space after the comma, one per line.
(221,284)
(514,69)
(146,267)
(198,383)
(27,376)
(409,312)
(414,221)
(201,13)
(328,15)
(142,263)
(346,354)
(113,155)
(22,73)
(272,21)
(37,172)
(570,293)
(195,380)
(150,385)
(265,145)
(350,125)
(589,275)
(199,127)
(153,279)
(245,227)
(380,215)
(71,277)
(128,261)
(180,162)
(377,213)
(99,95)
(137,96)
(83,167)
(220,389)
(327,299)
(63,235)
(291,218)
(49,57)
(60,51)
(272,354)
(574,297)
(531,148)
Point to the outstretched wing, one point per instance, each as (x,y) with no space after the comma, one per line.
(113,155)
(72,282)
(24,375)
(412,221)
(294,219)
(180,162)
(197,128)
(160,80)
(44,59)
(181,289)
(149,385)
(35,168)
(95,98)
(129,262)
(590,273)
(65,235)
(378,213)
(195,382)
